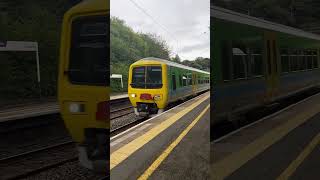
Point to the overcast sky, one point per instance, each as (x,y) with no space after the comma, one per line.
(185,23)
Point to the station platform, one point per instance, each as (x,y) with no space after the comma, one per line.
(35,109)
(284,145)
(172,145)
(118,96)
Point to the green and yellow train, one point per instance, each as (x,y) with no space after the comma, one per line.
(154,83)
(258,63)
(83,83)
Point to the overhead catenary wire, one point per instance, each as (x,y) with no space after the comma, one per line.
(154,20)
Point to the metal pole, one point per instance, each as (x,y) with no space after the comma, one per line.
(38,69)
(121,83)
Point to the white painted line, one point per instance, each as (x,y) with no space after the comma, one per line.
(129,135)
(262,119)
(196,98)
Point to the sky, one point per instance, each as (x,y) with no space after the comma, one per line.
(183,24)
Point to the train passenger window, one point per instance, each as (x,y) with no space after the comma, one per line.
(256,64)
(275,57)
(315,63)
(308,57)
(294,64)
(300,60)
(315,59)
(174,85)
(304,60)
(239,63)
(226,61)
(180,80)
(268,57)
(184,80)
(190,80)
(284,60)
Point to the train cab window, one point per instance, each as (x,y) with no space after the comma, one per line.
(239,63)
(284,60)
(138,77)
(154,77)
(89,51)
(147,77)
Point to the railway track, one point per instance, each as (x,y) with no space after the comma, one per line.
(117,113)
(36,161)
(126,126)
(129,124)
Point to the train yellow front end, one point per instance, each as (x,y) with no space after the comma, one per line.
(154,83)
(83,91)
(147,87)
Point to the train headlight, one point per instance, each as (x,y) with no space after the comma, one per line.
(133,95)
(76,107)
(157,97)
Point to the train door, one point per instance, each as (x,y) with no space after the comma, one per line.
(272,65)
(173,82)
(194,82)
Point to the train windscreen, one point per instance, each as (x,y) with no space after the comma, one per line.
(147,77)
(89,51)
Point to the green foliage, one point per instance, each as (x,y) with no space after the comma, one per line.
(176,59)
(32,20)
(198,63)
(128,46)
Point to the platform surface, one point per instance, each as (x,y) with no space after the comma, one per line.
(37,109)
(284,145)
(174,145)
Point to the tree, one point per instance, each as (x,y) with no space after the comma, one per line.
(176,59)
(128,46)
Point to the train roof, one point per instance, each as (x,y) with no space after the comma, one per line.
(88,6)
(170,63)
(232,16)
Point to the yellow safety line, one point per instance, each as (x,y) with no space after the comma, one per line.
(124,152)
(168,150)
(302,156)
(223,168)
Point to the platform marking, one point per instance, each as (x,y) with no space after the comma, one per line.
(154,117)
(169,149)
(231,163)
(129,135)
(124,152)
(302,156)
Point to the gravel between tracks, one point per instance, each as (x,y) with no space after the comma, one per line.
(15,142)
(121,121)
(71,170)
